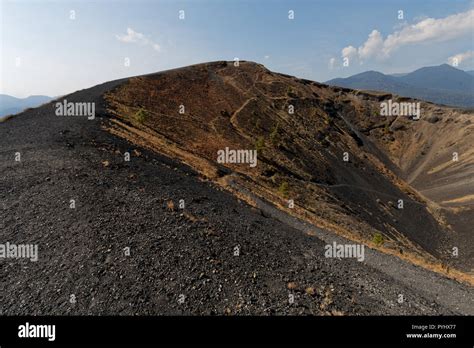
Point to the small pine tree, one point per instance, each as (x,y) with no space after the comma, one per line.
(378,239)
(274,138)
(141,115)
(283,189)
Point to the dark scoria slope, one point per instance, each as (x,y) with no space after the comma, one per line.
(172,252)
(300,154)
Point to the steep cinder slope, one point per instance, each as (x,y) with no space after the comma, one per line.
(309,150)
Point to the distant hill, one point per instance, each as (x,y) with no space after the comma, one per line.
(371,80)
(11,105)
(443,77)
(441,84)
(470,72)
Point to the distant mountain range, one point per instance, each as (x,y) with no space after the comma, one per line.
(11,105)
(441,84)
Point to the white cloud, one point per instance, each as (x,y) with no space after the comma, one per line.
(460,57)
(349,52)
(425,31)
(372,46)
(135,37)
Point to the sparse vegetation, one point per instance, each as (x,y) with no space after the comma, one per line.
(378,239)
(291,92)
(274,136)
(141,115)
(283,189)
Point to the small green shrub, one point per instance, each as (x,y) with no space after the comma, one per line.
(291,92)
(283,189)
(141,115)
(378,239)
(274,137)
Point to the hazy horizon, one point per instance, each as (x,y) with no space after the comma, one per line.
(57,96)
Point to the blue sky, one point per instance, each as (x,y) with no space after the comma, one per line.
(44,51)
